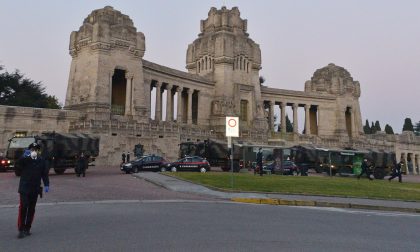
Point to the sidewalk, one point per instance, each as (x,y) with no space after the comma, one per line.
(175,184)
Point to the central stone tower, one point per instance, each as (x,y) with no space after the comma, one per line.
(224,53)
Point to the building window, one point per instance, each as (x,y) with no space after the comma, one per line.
(244,110)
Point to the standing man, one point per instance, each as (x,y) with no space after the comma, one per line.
(397,172)
(365,169)
(81,165)
(128,157)
(260,161)
(123,157)
(32,168)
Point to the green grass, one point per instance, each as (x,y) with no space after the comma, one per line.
(328,186)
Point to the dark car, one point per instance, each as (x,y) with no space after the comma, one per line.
(145,163)
(4,164)
(189,164)
(286,168)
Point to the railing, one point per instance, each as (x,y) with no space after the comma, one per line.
(117,109)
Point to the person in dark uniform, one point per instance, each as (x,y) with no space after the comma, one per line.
(365,169)
(260,161)
(128,157)
(396,172)
(32,168)
(123,157)
(81,165)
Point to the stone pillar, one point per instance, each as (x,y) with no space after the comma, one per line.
(179,105)
(169,103)
(283,117)
(128,94)
(295,120)
(307,120)
(158,110)
(271,116)
(189,108)
(198,102)
(352,122)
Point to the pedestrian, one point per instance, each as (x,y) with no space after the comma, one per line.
(396,172)
(81,165)
(128,157)
(123,157)
(260,161)
(365,169)
(32,168)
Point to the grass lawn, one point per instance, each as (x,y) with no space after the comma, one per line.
(329,186)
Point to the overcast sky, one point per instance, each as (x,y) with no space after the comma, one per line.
(378,42)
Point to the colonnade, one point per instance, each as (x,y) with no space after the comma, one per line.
(185,105)
(308,120)
(411,161)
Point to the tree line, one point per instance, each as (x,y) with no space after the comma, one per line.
(17,90)
(376,127)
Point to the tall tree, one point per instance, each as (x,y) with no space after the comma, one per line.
(377,126)
(366,128)
(408,125)
(16,90)
(389,130)
(417,128)
(372,128)
(289,125)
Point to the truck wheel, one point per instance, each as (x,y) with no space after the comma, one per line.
(379,173)
(59,171)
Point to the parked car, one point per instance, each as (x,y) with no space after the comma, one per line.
(145,163)
(287,168)
(4,164)
(194,163)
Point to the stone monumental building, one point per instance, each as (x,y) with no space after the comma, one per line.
(115,93)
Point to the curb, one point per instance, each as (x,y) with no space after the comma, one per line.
(284,202)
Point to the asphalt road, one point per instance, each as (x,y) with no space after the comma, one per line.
(208,226)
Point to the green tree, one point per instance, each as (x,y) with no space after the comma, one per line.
(372,129)
(377,126)
(16,90)
(417,128)
(289,125)
(389,130)
(408,125)
(366,128)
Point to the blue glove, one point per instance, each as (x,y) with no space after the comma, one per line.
(47,188)
(27,153)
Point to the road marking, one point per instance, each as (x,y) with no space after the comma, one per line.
(367,212)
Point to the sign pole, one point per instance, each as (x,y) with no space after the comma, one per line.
(232,130)
(231,160)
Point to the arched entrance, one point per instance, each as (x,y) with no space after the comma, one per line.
(119,87)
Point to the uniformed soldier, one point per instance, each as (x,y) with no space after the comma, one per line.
(123,157)
(396,172)
(365,169)
(128,157)
(32,168)
(81,165)
(260,161)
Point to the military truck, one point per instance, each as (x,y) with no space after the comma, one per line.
(58,149)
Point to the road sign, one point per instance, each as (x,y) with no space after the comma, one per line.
(232,126)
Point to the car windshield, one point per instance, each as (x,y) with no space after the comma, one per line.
(21,142)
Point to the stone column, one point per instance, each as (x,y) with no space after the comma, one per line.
(283,117)
(158,110)
(128,94)
(307,120)
(271,115)
(179,105)
(169,103)
(198,102)
(295,121)
(351,122)
(189,108)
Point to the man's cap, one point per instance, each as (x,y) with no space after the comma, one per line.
(34,146)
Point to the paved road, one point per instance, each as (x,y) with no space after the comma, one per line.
(100,183)
(208,226)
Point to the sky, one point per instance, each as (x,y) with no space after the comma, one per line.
(378,42)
